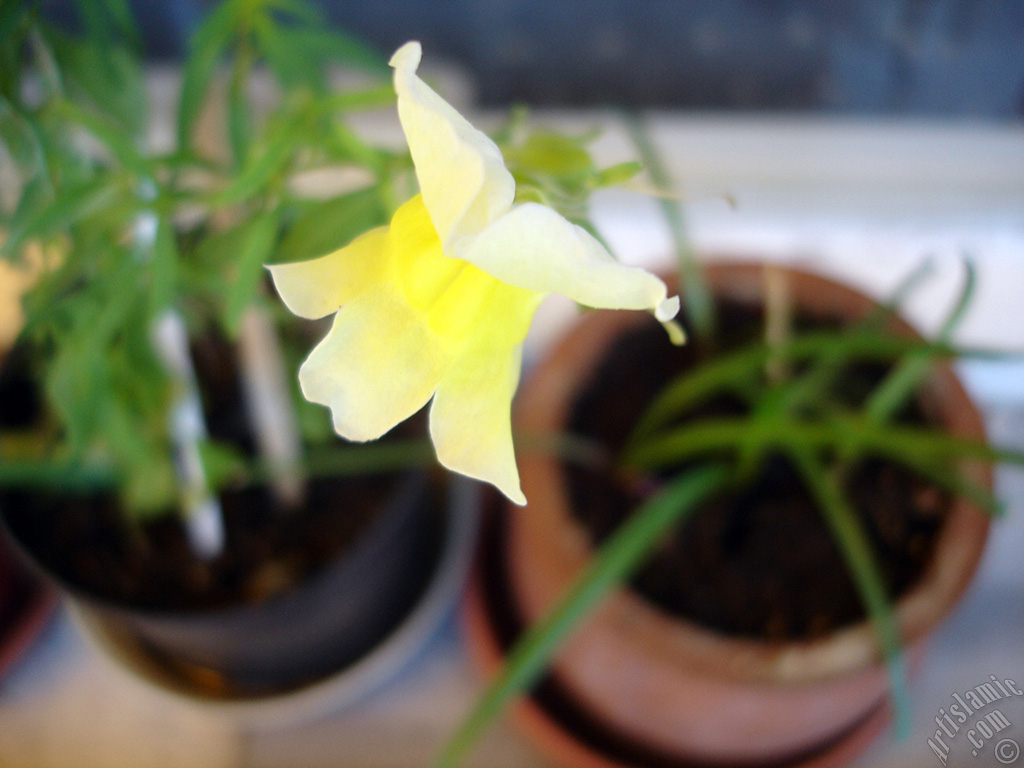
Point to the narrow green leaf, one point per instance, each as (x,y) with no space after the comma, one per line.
(239,120)
(348,147)
(813,385)
(43,45)
(223,464)
(354,101)
(294,67)
(614,561)
(546,152)
(736,367)
(328,46)
(164,268)
(19,138)
(307,12)
(36,194)
(207,45)
(908,442)
(950,478)
(863,566)
(853,436)
(216,250)
(94,19)
(617,174)
(357,459)
(121,144)
(890,395)
(257,241)
(108,74)
(121,15)
(325,226)
(12,15)
(55,475)
(265,163)
(698,299)
(63,211)
(148,478)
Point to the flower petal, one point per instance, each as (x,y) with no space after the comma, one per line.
(470,419)
(316,288)
(461,173)
(536,248)
(377,366)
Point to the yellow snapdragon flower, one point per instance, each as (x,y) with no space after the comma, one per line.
(437,304)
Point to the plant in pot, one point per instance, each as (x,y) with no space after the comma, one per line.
(795,499)
(155,459)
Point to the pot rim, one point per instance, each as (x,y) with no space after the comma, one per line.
(542,406)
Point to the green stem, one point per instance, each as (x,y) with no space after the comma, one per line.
(699,299)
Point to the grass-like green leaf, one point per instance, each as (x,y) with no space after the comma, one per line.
(266,163)
(55,475)
(737,367)
(855,546)
(617,174)
(120,14)
(904,378)
(257,239)
(12,16)
(108,73)
(698,299)
(164,267)
(71,205)
(239,110)
(207,45)
(300,10)
(335,46)
(112,135)
(944,475)
(620,554)
(324,226)
(383,456)
(19,138)
(849,435)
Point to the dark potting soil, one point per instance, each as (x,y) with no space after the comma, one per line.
(759,563)
(86,542)
(90,543)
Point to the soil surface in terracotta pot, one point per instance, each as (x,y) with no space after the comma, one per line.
(761,563)
(146,565)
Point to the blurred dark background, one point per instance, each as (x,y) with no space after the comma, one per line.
(908,57)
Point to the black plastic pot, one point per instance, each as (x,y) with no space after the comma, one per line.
(346,567)
(315,627)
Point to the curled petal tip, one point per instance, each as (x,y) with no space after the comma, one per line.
(408,56)
(667,309)
(516,497)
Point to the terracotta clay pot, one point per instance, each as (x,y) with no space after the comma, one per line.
(680,689)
